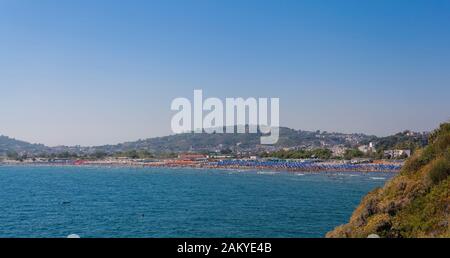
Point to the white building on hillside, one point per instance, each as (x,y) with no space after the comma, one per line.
(367,148)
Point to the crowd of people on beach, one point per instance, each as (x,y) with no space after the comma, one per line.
(259,164)
(307,165)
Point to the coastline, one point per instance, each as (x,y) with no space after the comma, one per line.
(363,168)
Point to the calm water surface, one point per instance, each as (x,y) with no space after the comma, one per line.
(159,202)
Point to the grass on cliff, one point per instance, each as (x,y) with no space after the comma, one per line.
(415,203)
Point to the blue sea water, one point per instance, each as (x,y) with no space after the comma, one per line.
(159,202)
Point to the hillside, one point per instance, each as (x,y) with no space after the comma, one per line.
(415,203)
(216,142)
(401,140)
(201,142)
(12,145)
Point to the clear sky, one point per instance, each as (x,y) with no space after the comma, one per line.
(97,72)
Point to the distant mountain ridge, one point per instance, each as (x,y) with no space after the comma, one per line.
(10,144)
(289,138)
(204,141)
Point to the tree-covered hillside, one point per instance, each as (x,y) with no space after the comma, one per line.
(12,146)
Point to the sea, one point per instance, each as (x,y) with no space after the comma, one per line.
(112,202)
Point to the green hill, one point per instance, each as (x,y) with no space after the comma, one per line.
(10,145)
(415,203)
(203,142)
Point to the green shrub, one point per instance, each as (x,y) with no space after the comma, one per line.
(440,170)
(443,142)
(425,215)
(419,159)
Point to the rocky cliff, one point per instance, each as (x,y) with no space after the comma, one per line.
(415,203)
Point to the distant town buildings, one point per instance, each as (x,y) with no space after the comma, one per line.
(338,150)
(367,148)
(414,134)
(394,154)
(192,156)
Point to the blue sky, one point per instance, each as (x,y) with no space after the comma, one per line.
(97,72)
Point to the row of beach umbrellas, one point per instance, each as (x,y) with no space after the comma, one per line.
(305,165)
